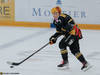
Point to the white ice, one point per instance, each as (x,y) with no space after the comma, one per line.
(16,43)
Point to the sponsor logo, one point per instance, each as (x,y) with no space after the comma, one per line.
(5,1)
(7,10)
(39,12)
(58,2)
(5,73)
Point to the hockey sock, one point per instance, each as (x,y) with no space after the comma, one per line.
(80,57)
(64,54)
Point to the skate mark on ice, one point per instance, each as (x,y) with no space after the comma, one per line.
(94,56)
(17,41)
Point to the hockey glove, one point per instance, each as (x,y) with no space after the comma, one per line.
(52,40)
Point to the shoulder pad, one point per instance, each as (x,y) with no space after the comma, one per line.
(63,15)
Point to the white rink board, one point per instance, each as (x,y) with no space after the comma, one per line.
(83,11)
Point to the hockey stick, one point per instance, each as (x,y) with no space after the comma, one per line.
(16,64)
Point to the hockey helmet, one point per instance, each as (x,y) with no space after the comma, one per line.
(56,9)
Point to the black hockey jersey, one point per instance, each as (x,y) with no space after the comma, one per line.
(65,25)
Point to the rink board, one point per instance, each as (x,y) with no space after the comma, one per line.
(46,25)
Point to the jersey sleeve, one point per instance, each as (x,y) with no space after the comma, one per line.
(69,23)
(57,34)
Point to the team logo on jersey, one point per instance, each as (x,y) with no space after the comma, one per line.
(59,21)
(58,2)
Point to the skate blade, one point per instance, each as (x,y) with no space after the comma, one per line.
(63,68)
(86,69)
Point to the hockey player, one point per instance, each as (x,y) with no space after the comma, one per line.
(66,26)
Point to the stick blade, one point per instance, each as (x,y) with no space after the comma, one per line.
(16,64)
(12,63)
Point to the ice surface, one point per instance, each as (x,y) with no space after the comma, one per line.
(16,43)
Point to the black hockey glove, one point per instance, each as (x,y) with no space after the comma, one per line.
(52,40)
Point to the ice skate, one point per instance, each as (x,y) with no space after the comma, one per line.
(63,65)
(86,67)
